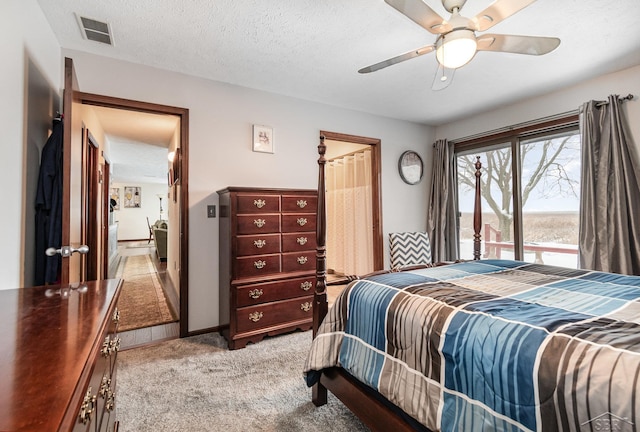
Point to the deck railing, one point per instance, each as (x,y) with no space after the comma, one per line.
(493,248)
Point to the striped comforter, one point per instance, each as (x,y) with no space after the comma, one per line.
(492,345)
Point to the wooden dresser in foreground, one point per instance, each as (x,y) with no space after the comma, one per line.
(267,262)
(58,357)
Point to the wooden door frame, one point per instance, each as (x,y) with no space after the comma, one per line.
(69,97)
(106,211)
(376,175)
(183,114)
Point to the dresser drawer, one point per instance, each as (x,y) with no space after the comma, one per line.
(268,314)
(299,261)
(105,392)
(272,291)
(92,406)
(258,244)
(299,203)
(298,222)
(257,265)
(302,241)
(258,203)
(258,223)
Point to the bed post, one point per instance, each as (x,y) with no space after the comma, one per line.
(319,392)
(477,212)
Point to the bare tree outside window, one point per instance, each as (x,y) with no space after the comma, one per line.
(550,189)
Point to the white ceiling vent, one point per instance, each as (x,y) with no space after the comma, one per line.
(95,30)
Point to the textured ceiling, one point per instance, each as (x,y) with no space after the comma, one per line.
(312,49)
(138,143)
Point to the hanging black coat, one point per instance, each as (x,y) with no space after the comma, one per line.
(49,208)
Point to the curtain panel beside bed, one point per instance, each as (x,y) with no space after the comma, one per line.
(443,204)
(609,238)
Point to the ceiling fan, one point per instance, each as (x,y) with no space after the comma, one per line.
(457,42)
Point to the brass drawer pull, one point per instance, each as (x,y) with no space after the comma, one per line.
(259,243)
(302,221)
(106,347)
(306,306)
(259,264)
(105,387)
(301,203)
(259,222)
(111,401)
(255,316)
(114,346)
(302,260)
(306,286)
(88,407)
(302,241)
(255,293)
(116,316)
(259,203)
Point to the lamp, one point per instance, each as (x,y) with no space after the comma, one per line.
(456,48)
(160,196)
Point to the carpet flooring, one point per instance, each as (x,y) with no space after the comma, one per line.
(142,301)
(196,384)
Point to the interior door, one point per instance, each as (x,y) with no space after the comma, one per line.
(72,214)
(91,209)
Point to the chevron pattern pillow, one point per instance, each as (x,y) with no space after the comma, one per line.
(409,248)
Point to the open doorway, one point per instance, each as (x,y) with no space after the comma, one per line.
(142,215)
(148,196)
(354,215)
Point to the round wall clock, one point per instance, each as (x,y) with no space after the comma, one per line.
(410,167)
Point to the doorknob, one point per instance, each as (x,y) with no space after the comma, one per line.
(66,251)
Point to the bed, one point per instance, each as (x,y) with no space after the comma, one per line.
(479,345)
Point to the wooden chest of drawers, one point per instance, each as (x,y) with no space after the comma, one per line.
(58,367)
(267,262)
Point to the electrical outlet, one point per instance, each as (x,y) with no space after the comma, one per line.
(211,211)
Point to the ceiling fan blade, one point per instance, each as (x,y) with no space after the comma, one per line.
(532,45)
(498,11)
(403,57)
(418,12)
(443,78)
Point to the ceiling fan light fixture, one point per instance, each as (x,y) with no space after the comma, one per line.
(456,49)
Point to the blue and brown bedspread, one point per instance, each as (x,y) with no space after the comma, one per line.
(492,345)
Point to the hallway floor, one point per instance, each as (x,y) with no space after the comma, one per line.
(146,335)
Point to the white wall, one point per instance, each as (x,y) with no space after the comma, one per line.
(220,121)
(132,222)
(25,35)
(621,83)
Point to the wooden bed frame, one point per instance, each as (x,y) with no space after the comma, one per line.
(355,395)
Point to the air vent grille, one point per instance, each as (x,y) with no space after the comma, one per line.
(95,30)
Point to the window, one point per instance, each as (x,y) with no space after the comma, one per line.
(530,207)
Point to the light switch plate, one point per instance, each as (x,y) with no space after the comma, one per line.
(211,211)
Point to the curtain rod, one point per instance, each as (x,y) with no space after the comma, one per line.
(517,126)
(620,99)
(630,96)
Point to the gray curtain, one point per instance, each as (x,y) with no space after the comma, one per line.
(609,238)
(442,214)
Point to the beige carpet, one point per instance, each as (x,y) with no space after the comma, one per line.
(195,384)
(142,301)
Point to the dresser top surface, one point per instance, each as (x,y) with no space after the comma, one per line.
(267,190)
(47,335)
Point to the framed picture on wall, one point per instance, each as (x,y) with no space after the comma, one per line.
(132,196)
(262,139)
(115,198)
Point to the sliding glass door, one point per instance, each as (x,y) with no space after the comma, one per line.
(530,198)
